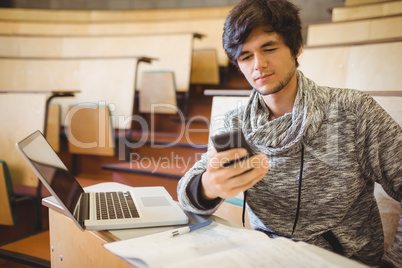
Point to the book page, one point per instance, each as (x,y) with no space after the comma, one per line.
(220,246)
(278,253)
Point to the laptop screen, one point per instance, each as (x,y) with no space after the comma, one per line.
(52,170)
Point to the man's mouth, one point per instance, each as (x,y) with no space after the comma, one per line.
(262,77)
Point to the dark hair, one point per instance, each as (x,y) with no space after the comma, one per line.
(281,15)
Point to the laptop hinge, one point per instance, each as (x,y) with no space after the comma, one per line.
(84,209)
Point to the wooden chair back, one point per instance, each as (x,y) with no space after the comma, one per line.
(205,67)
(8,214)
(90,130)
(158,93)
(53,126)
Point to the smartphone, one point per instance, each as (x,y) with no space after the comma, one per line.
(230,140)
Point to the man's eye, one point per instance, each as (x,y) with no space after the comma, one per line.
(270,50)
(245,58)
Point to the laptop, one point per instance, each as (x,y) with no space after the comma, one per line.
(99,210)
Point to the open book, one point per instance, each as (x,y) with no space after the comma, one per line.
(218,246)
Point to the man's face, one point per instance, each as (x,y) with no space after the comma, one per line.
(266,62)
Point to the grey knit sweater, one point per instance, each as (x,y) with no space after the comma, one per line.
(350,142)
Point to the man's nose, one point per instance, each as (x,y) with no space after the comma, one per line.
(259,62)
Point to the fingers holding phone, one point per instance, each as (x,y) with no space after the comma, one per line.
(232,168)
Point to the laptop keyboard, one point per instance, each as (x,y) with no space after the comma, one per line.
(115,205)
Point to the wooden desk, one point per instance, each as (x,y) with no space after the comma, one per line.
(71,247)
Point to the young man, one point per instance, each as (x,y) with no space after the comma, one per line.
(318,150)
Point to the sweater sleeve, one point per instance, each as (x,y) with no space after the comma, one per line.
(194,193)
(380,140)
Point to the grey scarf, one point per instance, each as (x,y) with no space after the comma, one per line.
(283,135)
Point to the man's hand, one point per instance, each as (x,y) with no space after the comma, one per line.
(227,182)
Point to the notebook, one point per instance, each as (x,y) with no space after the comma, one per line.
(134,208)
